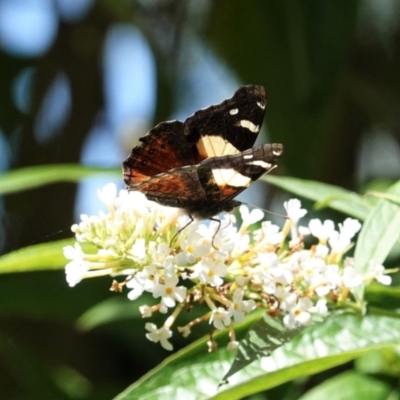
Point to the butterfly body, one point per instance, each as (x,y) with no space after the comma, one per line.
(201,164)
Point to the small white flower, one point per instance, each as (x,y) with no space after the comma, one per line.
(332,276)
(378,272)
(73,253)
(349,227)
(322,287)
(298,313)
(270,272)
(350,278)
(185,330)
(107,194)
(239,307)
(322,231)
(294,210)
(338,242)
(147,278)
(192,247)
(222,234)
(250,218)
(75,271)
(268,261)
(132,200)
(159,335)
(145,310)
(282,275)
(138,251)
(241,245)
(303,230)
(312,268)
(321,251)
(281,294)
(160,254)
(136,287)
(169,292)
(220,318)
(320,307)
(268,234)
(210,272)
(163,309)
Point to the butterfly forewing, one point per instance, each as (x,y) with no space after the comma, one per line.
(229,127)
(163,148)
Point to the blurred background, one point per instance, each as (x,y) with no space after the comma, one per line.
(82,80)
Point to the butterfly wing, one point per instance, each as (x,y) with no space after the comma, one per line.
(227,176)
(203,163)
(175,188)
(229,127)
(163,148)
(208,188)
(226,128)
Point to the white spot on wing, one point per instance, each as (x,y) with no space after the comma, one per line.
(214,146)
(260,163)
(261,105)
(228,176)
(234,111)
(244,123)
(276,152)
(248,156)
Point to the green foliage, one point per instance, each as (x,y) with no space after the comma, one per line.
(193,374)
(331,73)
(38,257)
(34,177)
(307,351)
(324,195)
(381,230)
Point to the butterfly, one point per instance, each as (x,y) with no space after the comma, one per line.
(203,163)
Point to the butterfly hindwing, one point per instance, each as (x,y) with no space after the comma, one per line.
(208,188)
(223,178)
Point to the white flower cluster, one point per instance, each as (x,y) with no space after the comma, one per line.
(233,270)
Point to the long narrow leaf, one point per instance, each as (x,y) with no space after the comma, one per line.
(379,233)
(31,177)
(39,257)
(326,195)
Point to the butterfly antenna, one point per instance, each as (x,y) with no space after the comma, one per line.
(267,211)
(49,235)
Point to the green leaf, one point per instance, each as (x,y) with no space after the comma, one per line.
(108,311)
(265,336)
(379,233)
(325,195)
(32,177)
(387,297)
(39,257)
(386,196)
(349,386)
(193,374)
(382,362)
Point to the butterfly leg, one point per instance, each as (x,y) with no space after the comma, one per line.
(216,231)
(180,230)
